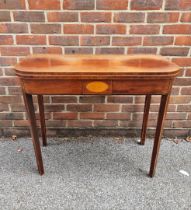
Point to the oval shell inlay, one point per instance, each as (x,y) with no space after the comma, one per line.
(97,86)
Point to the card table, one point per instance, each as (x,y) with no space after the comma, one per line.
(46,74)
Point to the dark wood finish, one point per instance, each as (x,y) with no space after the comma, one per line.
(42,119)
(34,132)
(141,86)
(96,74)
(145,118)
(157,140)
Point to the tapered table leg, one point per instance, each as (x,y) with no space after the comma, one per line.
(145,118)
(157,140)
(42,119)
(34,132)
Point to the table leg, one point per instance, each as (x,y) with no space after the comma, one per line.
(34,132)
(42,119)
(158,134)
(145,118)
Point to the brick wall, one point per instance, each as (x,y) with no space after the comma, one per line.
(95,27)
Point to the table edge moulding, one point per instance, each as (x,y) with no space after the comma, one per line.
(51,74)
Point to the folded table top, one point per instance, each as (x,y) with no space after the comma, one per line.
(107,66)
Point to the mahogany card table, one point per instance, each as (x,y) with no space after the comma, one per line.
(96,74)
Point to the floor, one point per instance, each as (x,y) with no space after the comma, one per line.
(94,173)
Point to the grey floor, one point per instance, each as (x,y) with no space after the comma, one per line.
(94,173)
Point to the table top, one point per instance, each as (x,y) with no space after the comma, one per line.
(83,65)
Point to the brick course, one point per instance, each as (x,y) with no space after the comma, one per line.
(95,27)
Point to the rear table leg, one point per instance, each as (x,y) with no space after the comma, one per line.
(145,118)
(42,119)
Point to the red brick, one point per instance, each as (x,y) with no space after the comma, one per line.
(146,4)
(45,28)
(18,107)
(10,4)
(105,123)
(47,50)
(44,4)
(64,40)
(110,50)
(5,123)
(186,17)
(78,29)
(176,116)
(79,107)
(94,40)
(161,17)
(106,108)
(13,28)
(158,40)
(132,108)
(77,50)
(182,81)
(92,99)
(120,99)
(11,116)
(64,116)
(183,62)
(79,124)
(28,16)
(95,17)
(184,108)
(175,90)
(144,29)
(142,50)
(110,29)
(180,99)
(14,51)
(9,72)
(56,123)
(78,4)
(6,40)
(174,51)
(177,29)
(118,116)
(64,99)
(112,4)
(14,90)
(126,41)
(139,116)
(54,107)
(129,17)
(4,107)
(188,72)
(21,123)
(178,5)
(2,92)
(31,39)
(183,40)
(185,90)
(92,115)
(10,99)
(5,16)
(9,81)
(62,16)
(7,61)
(182,123)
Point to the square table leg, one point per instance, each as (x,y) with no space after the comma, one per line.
(42,119)
(34,132)
(158,134)
(145,118)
